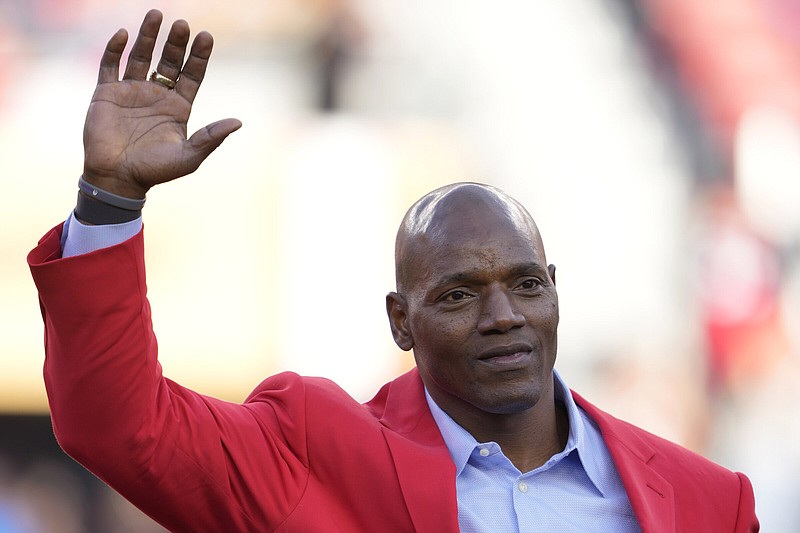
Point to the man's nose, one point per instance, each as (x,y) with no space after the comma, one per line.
(498,312)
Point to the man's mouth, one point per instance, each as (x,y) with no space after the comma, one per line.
(507,355)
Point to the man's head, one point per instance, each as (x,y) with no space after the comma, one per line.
(475,300)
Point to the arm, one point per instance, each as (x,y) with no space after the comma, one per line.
(187,460)
(183,458)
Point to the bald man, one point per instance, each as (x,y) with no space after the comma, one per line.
(483,435)
(477,303)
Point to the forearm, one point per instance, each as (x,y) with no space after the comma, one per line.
(112,410)
(100,365)
(182,457)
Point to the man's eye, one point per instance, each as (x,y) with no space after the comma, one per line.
(455,296)
(529,284)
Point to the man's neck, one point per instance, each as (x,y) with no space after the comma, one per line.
(528,438)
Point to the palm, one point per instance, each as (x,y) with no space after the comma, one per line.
(137,129)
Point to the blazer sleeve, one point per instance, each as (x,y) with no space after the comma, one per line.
(185,459)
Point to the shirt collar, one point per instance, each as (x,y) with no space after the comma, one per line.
(460,443)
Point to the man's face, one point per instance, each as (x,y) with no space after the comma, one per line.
(482,313)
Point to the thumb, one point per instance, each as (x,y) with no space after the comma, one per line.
(206,140)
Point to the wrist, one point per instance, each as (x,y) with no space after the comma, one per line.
(125,188)
(97,206)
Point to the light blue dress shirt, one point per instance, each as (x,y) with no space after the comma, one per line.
(576,490)
(78,238)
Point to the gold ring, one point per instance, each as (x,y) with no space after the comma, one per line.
(163,80)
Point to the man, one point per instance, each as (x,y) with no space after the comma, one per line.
(482,436)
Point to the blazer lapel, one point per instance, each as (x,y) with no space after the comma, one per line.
(651,496)
(424,467)
(427,475)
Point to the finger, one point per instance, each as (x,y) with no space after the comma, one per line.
(142,51)
(174,50)
(195,68)
(206,140)
(109,63)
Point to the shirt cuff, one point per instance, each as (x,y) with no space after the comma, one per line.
(79,238)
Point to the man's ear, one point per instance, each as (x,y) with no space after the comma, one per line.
(551,269)
(397,309)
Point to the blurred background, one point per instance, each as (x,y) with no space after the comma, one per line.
(656,142)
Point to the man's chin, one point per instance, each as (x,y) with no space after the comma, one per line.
(511,404)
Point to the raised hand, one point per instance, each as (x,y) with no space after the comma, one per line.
(135,134)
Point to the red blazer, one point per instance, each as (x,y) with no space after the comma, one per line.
(299,455)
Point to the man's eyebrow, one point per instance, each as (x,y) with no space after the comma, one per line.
(526,268)
(468,276)
(456,278)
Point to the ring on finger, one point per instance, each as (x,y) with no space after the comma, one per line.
(157,77)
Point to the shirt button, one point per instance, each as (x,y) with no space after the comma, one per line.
(522,486)
(484,452)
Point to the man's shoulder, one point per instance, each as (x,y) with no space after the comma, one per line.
(706,496)
(289,384)
(399,404)
(290,387)
(670,459)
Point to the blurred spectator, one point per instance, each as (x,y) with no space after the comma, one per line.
(342,32)
(739,289)
(44,491)
(40,499)
(753,368)
(10,48)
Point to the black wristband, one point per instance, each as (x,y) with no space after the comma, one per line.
(93,211)
(97,206)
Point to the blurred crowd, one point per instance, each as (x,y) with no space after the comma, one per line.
(701,343)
